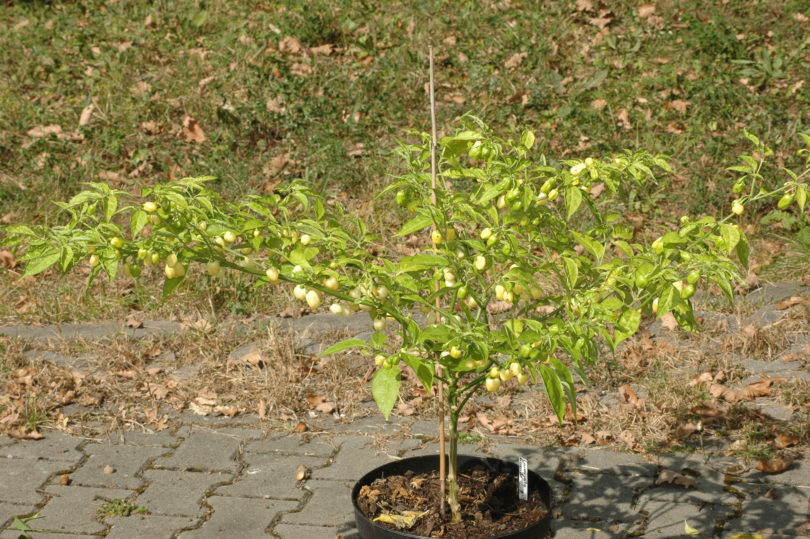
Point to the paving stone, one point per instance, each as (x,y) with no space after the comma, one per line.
(605,460)
(239,517)
(126,460)
(203,450)
(666,519)
(55,446)
(178,493)
(270,476)
(140,438)
(602,496)
(778,509)
(20,479)
(89,330)
(542,461)
(73,508)
(9,510)
(293,444)
(299,531)
(797,475)
(356,457)
(330,503)
(14,534)
(579,529)
(147,526)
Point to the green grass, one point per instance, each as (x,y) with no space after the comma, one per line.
(685,81)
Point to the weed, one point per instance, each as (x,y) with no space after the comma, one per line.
(120,508)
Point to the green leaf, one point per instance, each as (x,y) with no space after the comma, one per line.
(385,389)
(593,247)
(66,258)
(110,206)
(377,339)
(731,235)
(420,262)
(527,139)
(415,225)
(138,221)
(169,285)
(801,196)
(42,262)
(422,368)
(668,300)
(344,345)
(302,255)
(626,326)
(571,271)
(567,381)
(689,530)
(573,198)
(743,251)
(554,390)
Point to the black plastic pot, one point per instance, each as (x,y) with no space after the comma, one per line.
(372,530)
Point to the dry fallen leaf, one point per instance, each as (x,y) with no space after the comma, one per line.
(7,259)
(598,104)
(44,130)
(790,302)
(262,409)
(584,5)
(64,480)
(774,465)
(668,322)
(630,396)
(687,429)
(133,322)
(785,440)
(192,132)
(301,427)
(87,113)
(290,45)
(646,10)
(108,470)
(674,478)
(515,60)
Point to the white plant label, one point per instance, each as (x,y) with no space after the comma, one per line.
(523,478)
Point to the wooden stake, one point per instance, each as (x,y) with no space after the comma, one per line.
(433,174)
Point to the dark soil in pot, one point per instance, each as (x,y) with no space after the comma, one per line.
(488,494)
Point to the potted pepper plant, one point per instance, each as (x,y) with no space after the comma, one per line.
(527,268)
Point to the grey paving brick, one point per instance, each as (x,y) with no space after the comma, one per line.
(356,457)
(125,460)
(239,517)
(151,526)
(330,504)
(606,460)
(602,496)
(9,510)
(580,529)
(73,508)
(293,444)
(272,476)
(300,531)
(797,475)
(178,493)
(203,450)
(140,438)
(20,478)
(542,461)
(666,519)
(773,509)
(55,446)
(14,534)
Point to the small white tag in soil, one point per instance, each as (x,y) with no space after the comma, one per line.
(523,478)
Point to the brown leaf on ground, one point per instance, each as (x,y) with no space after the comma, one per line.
(597,189)
(276,104)
(64,479)
(290,45)
(674,478)
(86,115)
(703,378)
(278,163)
(679,105)
(133,322)
(192,132)
(727,394)
(630,396)
(600,22)
(687,429)
(774,465)
(584,5)
(790,302)
(44,130)
(320,404)
(760,388)
(324,50)
(785,440)
(668,322)
(708,412)
(292,312)
(229,411)
(646,10)
(515,60)
(629,440)
(587,439)
(300,69)
(301,427)
(7,259)
(598,104)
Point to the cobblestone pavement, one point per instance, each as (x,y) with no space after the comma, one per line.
(219,477)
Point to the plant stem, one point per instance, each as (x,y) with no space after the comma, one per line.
(452,473)
(442,470)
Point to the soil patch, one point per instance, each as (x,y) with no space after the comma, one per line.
(489,503)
